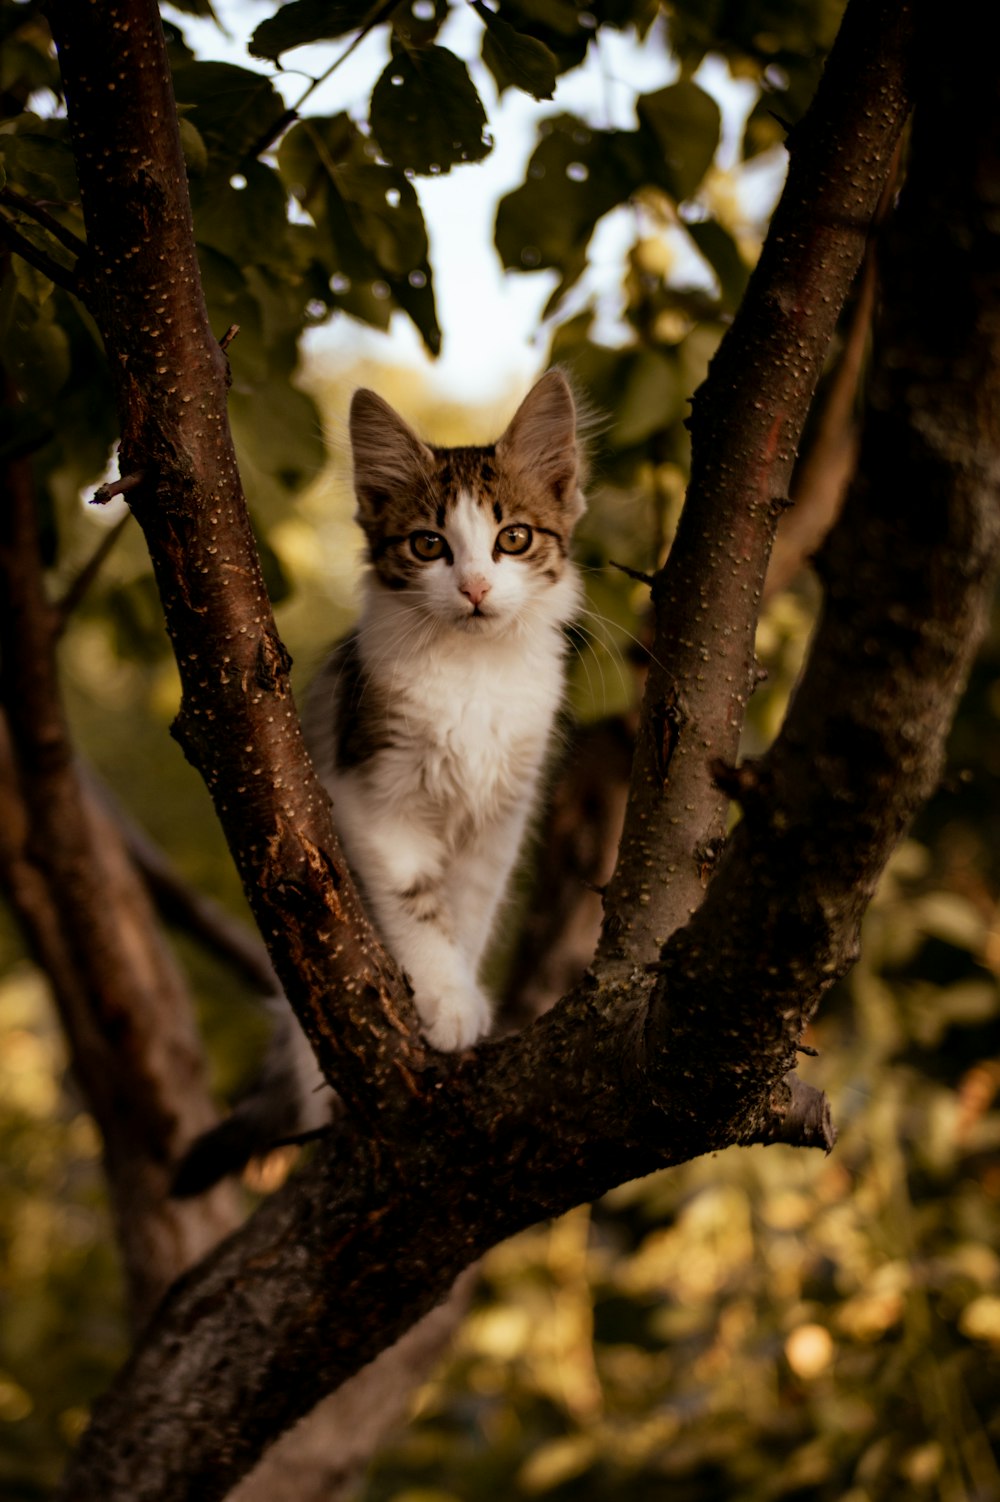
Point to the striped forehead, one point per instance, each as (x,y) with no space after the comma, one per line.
(469,472)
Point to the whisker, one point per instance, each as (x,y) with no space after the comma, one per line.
(606,620)
(592,642)
(582,652)
(423,638)
(392,647)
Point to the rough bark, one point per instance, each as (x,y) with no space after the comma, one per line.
(826,465)
(324,1458)
(745,427)
(237,720)
(630,1071)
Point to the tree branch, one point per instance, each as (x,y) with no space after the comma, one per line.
(78,586)
(908,572)
(182,904)
(801,1116)
(59,231)
(237,720)
(745,428)
(824,468)
(63,276)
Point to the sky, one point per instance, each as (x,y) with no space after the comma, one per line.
(491,320)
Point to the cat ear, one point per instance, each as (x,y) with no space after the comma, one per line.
(388,456)
(542,441)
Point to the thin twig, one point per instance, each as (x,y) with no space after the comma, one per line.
(229,336)
(381,13)
(181,904)
(77,588)
(63,276)
(41,216)
(633,573)
(105,493)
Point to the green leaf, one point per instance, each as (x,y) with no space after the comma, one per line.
(426,114)
(277,432)
(38,159)
(419,30)
(792,34)
(310,153)
(304,21)
(135,615)
(36,350)
(621,14)
(248,224)
(194,148)
(276,581)
(650,400)
(575,175)
(516,59)
(231,108)
(385,212)
(566,28)
(722,254)
(229,301)
(27,58)
(33,285)
(371,231)
(684,123)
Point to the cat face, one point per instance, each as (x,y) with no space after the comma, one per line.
(478,538)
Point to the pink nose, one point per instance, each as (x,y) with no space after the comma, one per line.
(475,589)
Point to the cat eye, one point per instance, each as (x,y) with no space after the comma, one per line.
(428,545)
(514,539)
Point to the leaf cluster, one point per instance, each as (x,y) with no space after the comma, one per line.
(300,217)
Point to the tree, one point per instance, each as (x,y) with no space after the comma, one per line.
(682,1037)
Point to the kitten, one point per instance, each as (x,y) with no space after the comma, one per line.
(429,726)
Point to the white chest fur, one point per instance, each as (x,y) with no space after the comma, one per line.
(471,720)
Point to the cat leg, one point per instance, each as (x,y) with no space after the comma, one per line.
(454,1010)
(402,869)
(478,883)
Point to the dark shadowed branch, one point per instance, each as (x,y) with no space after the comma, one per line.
(87,918)
(180,903)
(908,572)
(78,586)
(35,255)
(14,199)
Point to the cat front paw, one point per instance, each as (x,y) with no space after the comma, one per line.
(455,1019)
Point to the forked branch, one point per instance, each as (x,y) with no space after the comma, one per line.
(746,423)
(610,1084)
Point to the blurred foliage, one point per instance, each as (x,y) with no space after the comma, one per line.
(61,1332)
(770,1323)
(767,1324)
